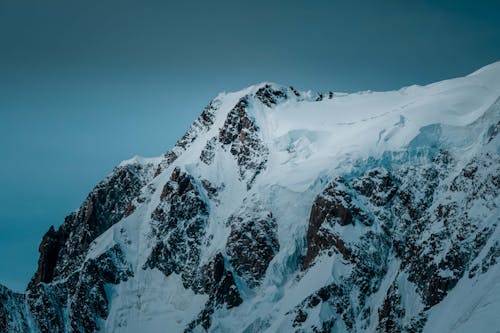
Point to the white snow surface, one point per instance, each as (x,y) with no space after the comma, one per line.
(309,142)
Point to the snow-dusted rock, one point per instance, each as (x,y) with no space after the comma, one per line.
(283,211)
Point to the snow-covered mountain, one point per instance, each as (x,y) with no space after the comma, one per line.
(289,211)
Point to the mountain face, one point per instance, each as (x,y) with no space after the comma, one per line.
(288,211)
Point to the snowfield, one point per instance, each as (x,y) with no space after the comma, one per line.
(284,211)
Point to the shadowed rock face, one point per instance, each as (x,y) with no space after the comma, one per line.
(179,227)
(207,154)
(269,96)
(82,293)
(181,219)
(333,206)
(200,125)
(462,237)
(49,250)
(13,314)
(402,206)
(377,185)
(387,238)
(62,251)
(203,123)
(391,312)
(344,203)
(218,282)
(240,134)
(252,244)
(81,289)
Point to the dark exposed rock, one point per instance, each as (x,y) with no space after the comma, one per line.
(203,123)
(435,278)
(270,96)
(180,220)
(13,316)
(82,292)
(222,286)
(405,203)
(240,133)
(89,303)
(200,125)
(333,296)
(252,244)
(369,266)
(371,259)
(208,153)
(45,302)
(181,217)
(49,250)
(300,317)
(389,226)
(295,92)
(333,206)
(62,251)
(391,312)
(490,259)
(212,192)
(168,159)
(218,283)
(237,121)
(377,185)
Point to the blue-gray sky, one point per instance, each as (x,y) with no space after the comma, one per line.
(86,84)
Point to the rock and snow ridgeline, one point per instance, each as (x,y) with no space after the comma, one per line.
(283,211)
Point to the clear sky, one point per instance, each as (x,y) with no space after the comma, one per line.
(86,84)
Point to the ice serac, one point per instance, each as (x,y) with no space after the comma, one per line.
(289,211)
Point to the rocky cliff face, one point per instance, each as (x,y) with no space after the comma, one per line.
(288,211)
(62,251)
(67,291)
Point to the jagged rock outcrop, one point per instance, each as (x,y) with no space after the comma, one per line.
(219,284)
(75,304)
(406,206)
(240,134)
(179,227)
(288,211)
(13,314)
(62,251)
(252,243)
(201,125)
(207,154)
(270,96)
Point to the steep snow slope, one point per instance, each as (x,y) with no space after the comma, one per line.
(285,211)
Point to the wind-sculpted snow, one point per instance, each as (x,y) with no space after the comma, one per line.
(289,211)
(436,219)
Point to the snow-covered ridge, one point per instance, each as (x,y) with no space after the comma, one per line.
(282,210)
(140,160)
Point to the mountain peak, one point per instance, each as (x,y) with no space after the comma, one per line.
(282,210)
(493,69)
